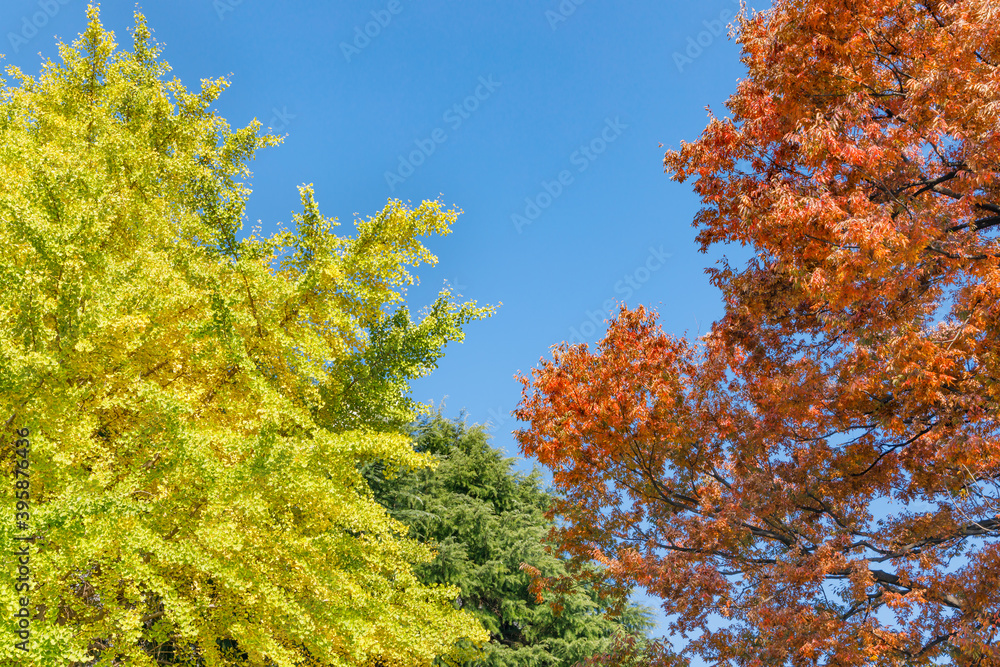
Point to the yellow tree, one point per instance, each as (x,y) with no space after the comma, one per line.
(197,405)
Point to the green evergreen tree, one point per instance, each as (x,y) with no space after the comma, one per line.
(485,520)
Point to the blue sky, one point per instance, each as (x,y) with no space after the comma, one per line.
(541,120)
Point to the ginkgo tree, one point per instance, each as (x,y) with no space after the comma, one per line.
(198,401)
(817,480)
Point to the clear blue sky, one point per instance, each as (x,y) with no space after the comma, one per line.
(585,90)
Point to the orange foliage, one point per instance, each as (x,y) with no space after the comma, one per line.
(822,470)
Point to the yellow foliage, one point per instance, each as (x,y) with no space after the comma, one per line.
(198,404)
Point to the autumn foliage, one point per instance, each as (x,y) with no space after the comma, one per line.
(200,399)
(817,480)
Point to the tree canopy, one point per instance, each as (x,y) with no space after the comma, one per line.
(817,480)
(486,522)
(199,399)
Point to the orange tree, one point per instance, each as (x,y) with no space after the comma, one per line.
(816,480)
